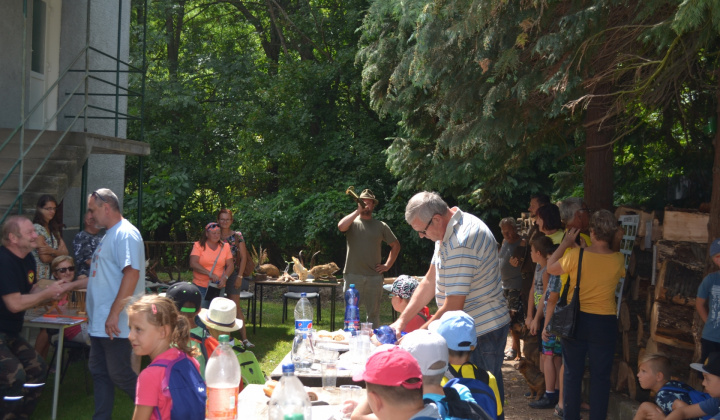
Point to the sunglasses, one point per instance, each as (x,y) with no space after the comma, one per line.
(422,232)
(98,196)
(212,225)
(64,270)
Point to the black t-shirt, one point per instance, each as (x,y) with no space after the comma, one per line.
(17,275)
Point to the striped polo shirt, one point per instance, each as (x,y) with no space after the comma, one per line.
(466,264)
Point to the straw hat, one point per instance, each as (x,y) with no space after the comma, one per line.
(368,194)
(221,315)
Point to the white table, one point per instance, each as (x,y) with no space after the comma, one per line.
(34,319)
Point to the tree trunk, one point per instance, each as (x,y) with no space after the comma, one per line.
(598,177)
(714,222)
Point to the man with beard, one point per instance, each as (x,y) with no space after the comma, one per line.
(363,263)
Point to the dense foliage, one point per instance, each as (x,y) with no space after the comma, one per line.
(274,108)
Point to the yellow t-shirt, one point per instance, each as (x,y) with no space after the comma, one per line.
(598,279)
(564,277)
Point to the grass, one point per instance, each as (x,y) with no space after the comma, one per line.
(272,342)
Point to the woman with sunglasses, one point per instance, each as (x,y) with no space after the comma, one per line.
(49,241)
(239,252)
(211,261)
(62,268)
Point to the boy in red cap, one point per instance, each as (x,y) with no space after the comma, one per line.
(394,386)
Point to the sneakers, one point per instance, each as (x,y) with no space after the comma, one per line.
(545,402)
(247,344)
(558,411)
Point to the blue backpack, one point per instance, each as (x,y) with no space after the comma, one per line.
(481,392)
(695,396)
(455,408)
(184,386)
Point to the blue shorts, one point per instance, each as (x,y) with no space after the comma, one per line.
(552,347)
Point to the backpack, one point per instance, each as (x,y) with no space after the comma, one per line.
(481,392)
(458,409)
(185,388)
(250,370)
(695,396)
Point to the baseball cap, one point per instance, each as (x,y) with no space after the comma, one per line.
(715,247)
(392,366)
(458,330)
(428,348)
(183,292)
(711,365)
(403,286)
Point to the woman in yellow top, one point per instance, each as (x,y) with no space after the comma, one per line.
(596,323)
(210,261)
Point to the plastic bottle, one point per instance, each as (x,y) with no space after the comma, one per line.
(385,335)
(289,400)
(303,313)
(303,352)
(352,313)
(222,377)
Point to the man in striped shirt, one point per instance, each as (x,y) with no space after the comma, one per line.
(464,274)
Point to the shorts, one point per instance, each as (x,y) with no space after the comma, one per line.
(230,288)
(552,347)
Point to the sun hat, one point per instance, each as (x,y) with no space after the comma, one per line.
(183,292)
(403,286)
(428,348)
(368,194)
(221,315)
(711,365)
(715,247)
(458,330)
(392,366)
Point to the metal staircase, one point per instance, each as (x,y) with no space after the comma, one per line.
(44,161)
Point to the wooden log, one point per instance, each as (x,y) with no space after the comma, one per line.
(685,225)
(651,346)
(697,329)
(672,325)
(640,332)
(689,253)
(649,301)
(632,383)
(677,283)
(624,320)
(625,347)
(640,263)
(622,376)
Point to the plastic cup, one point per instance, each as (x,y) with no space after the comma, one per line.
(329,375)
(349,398)
(366,326)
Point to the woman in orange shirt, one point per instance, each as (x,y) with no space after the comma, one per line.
(211,261)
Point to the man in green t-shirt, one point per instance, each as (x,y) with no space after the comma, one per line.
(363,262)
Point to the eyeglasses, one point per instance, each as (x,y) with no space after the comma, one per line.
(49,208)
(64,270)
(98,196)
(422,232)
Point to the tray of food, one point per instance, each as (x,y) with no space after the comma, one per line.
(338,337)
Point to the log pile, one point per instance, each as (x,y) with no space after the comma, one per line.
(667,321)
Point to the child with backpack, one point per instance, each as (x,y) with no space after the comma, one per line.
(188,302)
(458,330)
(709,408)
(171,386)
(220,319)
(401,291)
(654,374)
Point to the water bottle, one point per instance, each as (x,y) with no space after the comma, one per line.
(222,377)
(303,313)
(302,352)
(352,313)
(289,400)
(385,335)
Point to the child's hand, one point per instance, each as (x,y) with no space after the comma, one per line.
(533,327)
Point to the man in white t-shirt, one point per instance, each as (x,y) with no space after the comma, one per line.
(117,272)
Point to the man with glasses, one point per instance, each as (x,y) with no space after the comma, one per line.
(464,275)
(117,272)
(22,369)
(363,262)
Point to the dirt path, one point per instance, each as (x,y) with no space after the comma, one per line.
(516,404)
